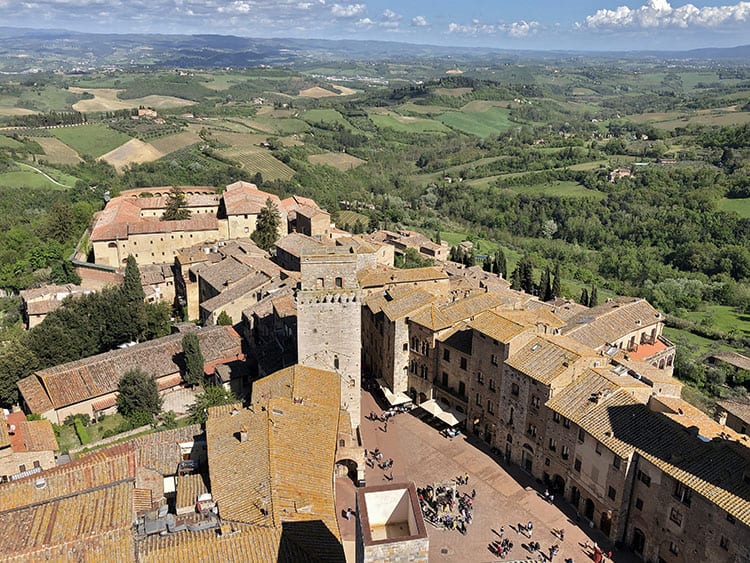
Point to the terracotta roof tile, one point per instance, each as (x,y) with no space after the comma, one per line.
(91,471)
(624,425)
(439,318)
(243,198)
(608,322)
(92,377)
(383,276)
(38,436)
(189,487)
(546,358)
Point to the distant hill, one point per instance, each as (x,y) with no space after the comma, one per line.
(24,50)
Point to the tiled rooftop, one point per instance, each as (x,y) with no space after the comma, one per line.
(610,321)
(708,467)
(244,198)
(382,276)
(545,358)
(91,377)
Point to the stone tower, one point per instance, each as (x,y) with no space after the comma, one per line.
(329,329)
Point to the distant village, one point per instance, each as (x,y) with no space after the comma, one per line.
(582,399)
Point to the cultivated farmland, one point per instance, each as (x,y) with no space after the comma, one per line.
(105,99)
(134,151)
(57,152)
(254,160)
(339,160)
(95,140)
(491,121)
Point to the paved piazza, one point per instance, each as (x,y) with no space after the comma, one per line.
(505,495)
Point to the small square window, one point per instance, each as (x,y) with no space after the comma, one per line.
(577,464)
(724,542)
(514,389)
(581,435)
(616,462)
(492,384)
(598,448)
(639,503)
(566,422)
(611,493)
(556,416)
(565,453)
(480,378)
(673,548)
(552,444)
(493,359)
(730,518)
(464,363)
(447,355)
(546,461)
(479,400)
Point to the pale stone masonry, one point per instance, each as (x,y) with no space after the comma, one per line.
(329,327)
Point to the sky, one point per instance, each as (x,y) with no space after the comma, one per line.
(505,24)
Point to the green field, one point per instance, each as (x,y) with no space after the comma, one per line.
(27,179)
(723,318)
(491,121)
(255,160)
(8,143)
(94,140)
(278,126)
(741,206)
(559,188)
(327,116)
(351,217)
(47,98)
(408,124)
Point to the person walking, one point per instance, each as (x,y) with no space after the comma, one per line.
(529,529)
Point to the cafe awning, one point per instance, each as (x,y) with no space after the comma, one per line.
(393,399)
(447,415)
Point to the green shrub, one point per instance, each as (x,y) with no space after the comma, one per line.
(83,435)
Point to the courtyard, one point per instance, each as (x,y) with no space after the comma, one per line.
(505,495)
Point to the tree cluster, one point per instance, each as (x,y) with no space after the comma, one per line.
(83,326)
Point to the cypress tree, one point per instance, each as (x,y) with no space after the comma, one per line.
(547,285)
(584,300)
(501,264)
(194,361)
(131,287)
(516,281)
(267,229)
(176,209)
(593,298)
(556,290)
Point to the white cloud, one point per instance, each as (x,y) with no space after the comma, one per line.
(390,15)
(515,29)
(419,21)
(660,13)
(237,7)
(522,28)
(365,22)
(348,10)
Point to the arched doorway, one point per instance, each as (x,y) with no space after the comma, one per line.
(605,524)
(588,510)
(639,541)
(422,398)
(347,468)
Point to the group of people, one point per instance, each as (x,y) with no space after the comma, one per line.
(501,548)
(445,506)
(375,457)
